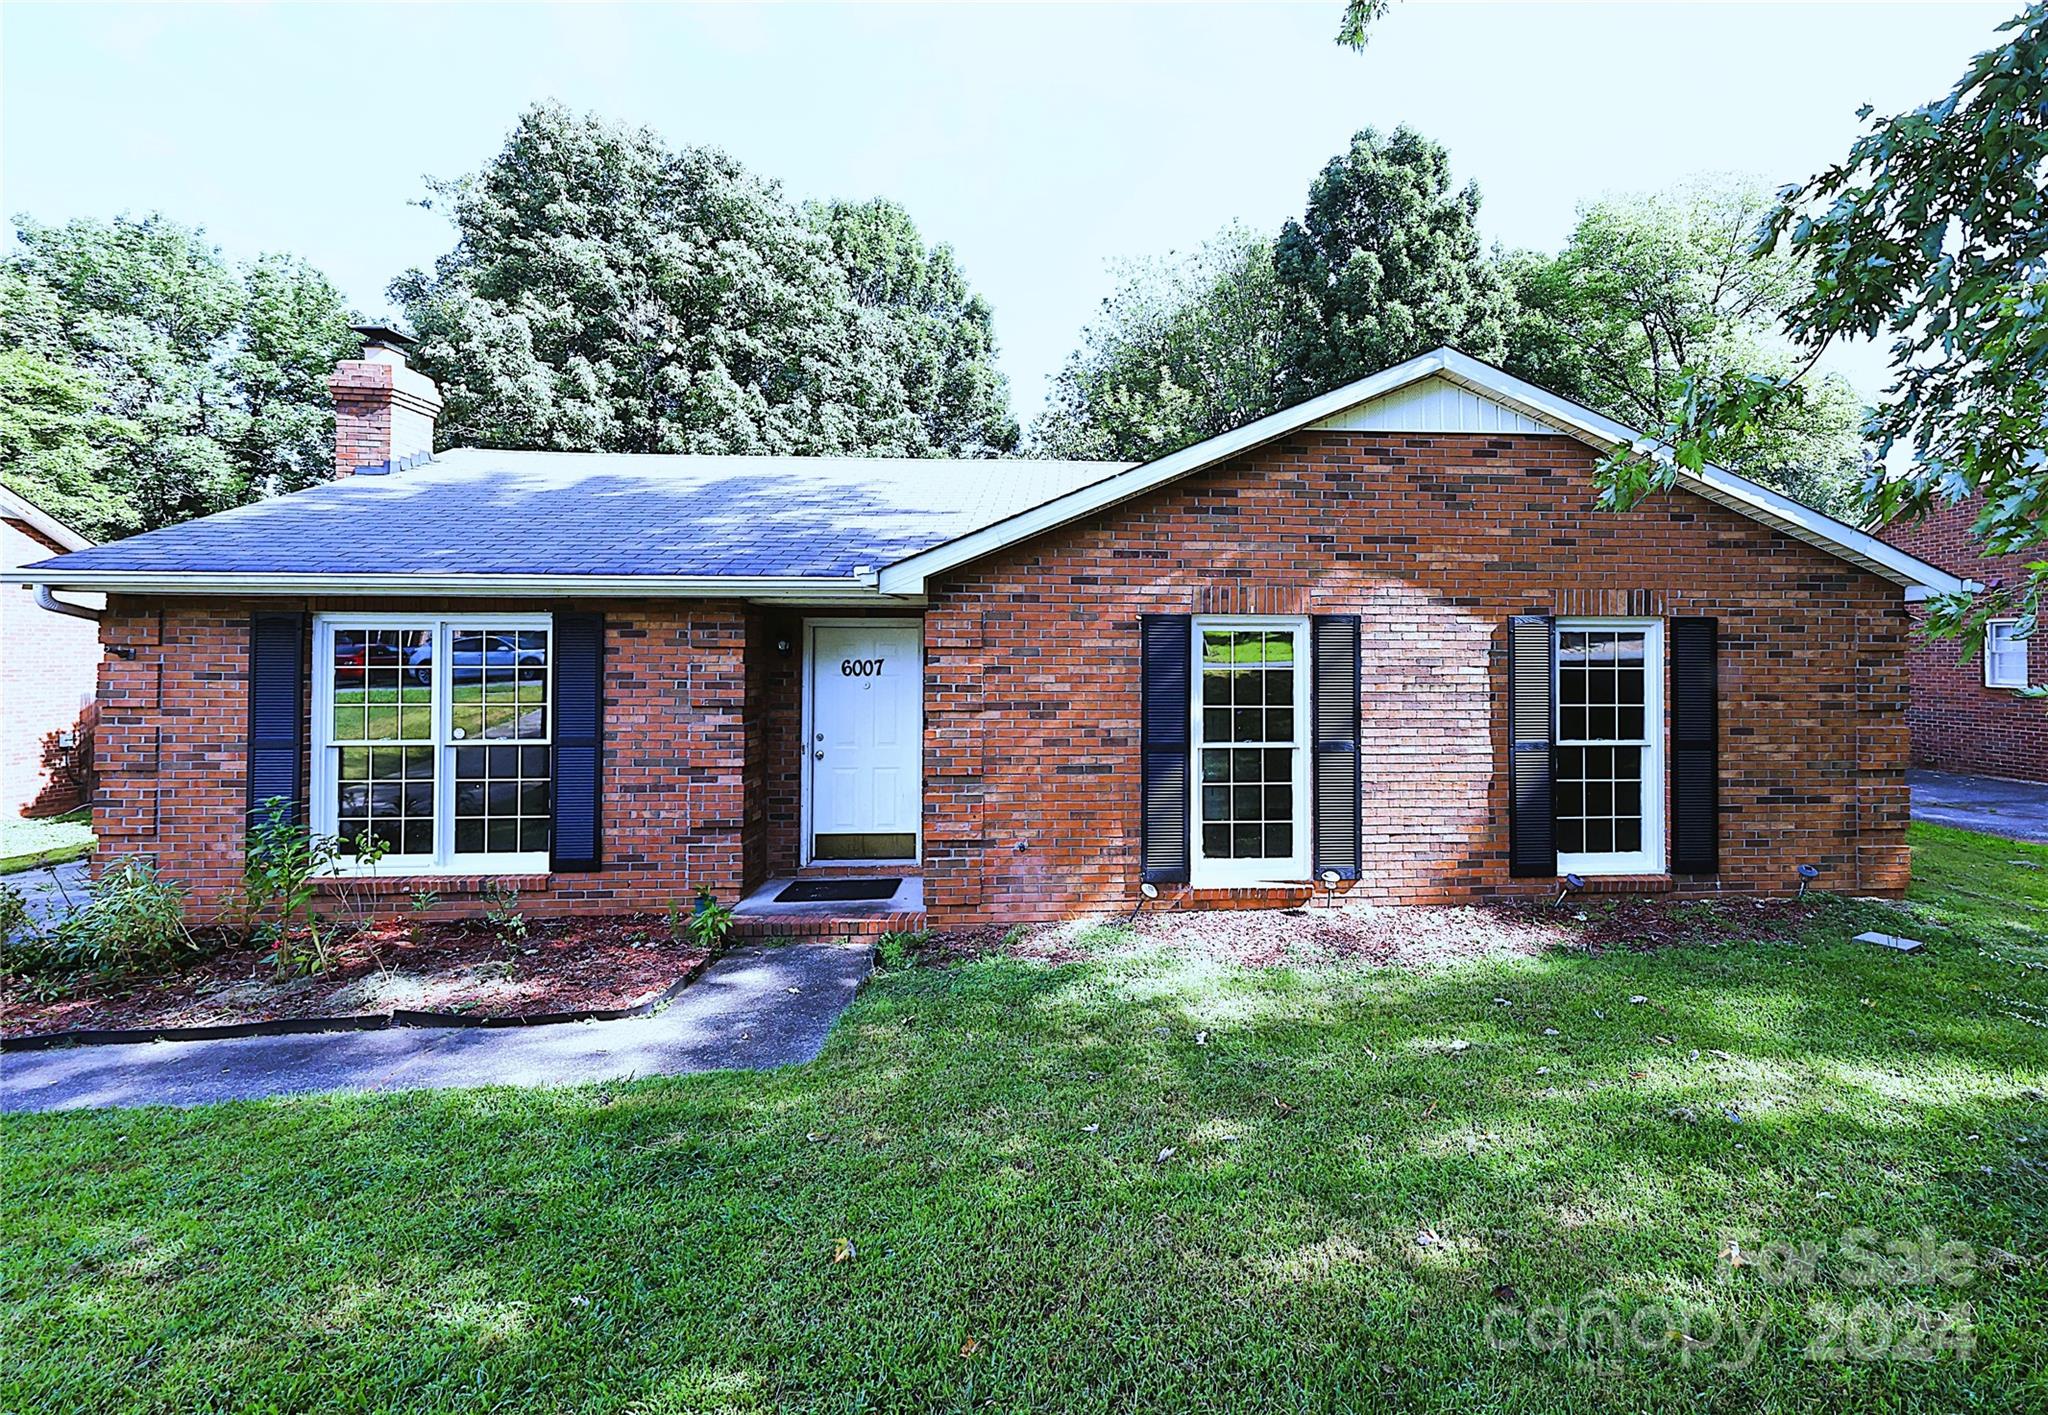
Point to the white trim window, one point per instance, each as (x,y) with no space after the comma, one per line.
(1609,754)
(431,735)
(2005,655)
(1251,783)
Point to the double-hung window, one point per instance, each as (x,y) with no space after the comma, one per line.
(2005,655)
(1609,758)
(431,737)
(1251,777)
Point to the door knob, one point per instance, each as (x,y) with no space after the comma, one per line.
(821,754)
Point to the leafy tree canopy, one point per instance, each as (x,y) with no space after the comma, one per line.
(1649,287)
(1932,232)
(1385,264)
(607,292)
(145,380)
(1183,350)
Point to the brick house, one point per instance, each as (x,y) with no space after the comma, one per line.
(1970,717)
(49,663)
(1383,640)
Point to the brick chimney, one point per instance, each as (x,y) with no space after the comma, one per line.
(384,409)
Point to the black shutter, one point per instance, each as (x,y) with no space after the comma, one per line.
(1339,830)
(1695,748)
(1532,819)
(1166,686)
(277,718)
(579,739)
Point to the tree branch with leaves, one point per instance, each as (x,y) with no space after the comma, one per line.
(1933,233)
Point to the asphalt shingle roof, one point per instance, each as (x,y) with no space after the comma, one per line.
(473,511)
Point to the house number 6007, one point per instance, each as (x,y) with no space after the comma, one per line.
(860,667)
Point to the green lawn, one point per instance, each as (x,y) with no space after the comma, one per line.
(29,844)
(407,713)
(1356,1212)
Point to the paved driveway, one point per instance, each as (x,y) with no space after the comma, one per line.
(761,1006)
(2017,810)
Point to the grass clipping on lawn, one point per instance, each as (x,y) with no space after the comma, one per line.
(1147,1178)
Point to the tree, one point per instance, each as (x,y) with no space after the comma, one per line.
(148,381)
(1385,264)
(1183,350)
(55,440)
(943,333)
(1933,231)
(1650,286)
(609,293)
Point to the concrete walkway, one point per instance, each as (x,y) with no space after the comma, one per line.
(2017,810)
(769,1005)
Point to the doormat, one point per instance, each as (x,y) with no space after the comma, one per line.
(837,891)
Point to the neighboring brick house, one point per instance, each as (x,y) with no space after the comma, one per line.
(1383,639)
(48,665)
(1971,717)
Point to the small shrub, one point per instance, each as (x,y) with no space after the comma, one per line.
(423,902)
(898,949)
(14,914)
(281,873)
(135,920)
(502,914)
(678,921)
(711,922)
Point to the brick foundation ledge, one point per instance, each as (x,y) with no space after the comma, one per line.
(447,886)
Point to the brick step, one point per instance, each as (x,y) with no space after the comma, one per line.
(826,926)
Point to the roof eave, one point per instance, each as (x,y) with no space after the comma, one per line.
(850,589)
(1919,578)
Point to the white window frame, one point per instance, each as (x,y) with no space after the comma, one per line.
(1656,790)
(1206,873)
(326,753)
(1991,658)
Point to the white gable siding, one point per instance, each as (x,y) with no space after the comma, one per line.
(1431,405)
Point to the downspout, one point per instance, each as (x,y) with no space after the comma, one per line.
(46,600)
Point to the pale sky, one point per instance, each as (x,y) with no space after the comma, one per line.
(1043,142)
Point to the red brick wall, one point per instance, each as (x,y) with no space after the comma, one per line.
(678,772)
(1032,784)
(48,663)
(1032,688)
(1959,724)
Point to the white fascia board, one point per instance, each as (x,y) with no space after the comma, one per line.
(908,576)
(16,507)
(808,589)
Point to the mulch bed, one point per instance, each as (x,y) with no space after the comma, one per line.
(561,965)
(1393,936)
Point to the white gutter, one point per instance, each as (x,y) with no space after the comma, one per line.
(46,600)
(800,588)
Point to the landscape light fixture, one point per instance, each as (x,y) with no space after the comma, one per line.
(1570,884)
(1330,881)
(1147,892)
(1807,875)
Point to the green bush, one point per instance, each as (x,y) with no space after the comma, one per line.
(134,921)
(708,927)
(898,949)
(281,871)
(13,914)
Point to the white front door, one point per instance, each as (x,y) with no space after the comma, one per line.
(866,691)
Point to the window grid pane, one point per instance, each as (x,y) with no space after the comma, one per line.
(386,794)
(383,685)
(1602,740)
(1248,732)
(502,804)
(2005,657)
(382,690)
